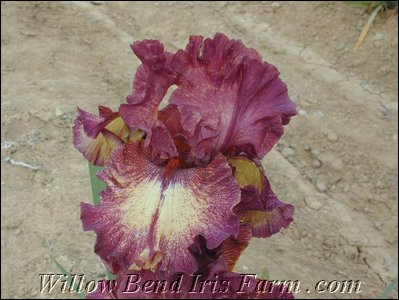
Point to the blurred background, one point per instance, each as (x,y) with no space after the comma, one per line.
(337,162)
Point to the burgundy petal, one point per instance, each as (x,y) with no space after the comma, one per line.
(149,214)
(150,85)
(228,97)
(105,289)
(161,285)
(207,259)
(265,223)
(259,206)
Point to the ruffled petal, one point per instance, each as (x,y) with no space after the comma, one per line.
(149,215)
(96,136)
(259,206)
(278,215)
(150,85)
(228,97)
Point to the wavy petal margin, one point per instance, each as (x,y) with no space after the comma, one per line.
(151,83)
(96,136)
(149,215)
(228,97)
(266,223)
(259,207)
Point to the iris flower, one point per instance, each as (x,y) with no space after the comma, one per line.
(192,168)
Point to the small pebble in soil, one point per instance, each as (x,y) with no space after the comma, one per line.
(332,137)
(302,112)
(13,223)
(337,164)
(363,179)
(329,242)
(321,187)
(58,112)
(28,33)
(357,62)
(378,225)
(364,83)
(287,151)
(313,202)
(307,147)
(340,46)
(275,5)
(316,164)
(346,188)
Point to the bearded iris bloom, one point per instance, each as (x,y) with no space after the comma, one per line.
(191,169)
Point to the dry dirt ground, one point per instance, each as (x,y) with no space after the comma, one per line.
(337,162)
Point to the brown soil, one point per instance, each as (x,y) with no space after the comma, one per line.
(341,176)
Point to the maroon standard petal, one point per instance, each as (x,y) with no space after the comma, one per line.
(150,85)
(149,215)
(228,97)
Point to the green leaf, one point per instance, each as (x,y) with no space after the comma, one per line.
(96,184)
(389,290)
(108,274)
(389,4)
(265,274)
(68,278)
(372,4)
